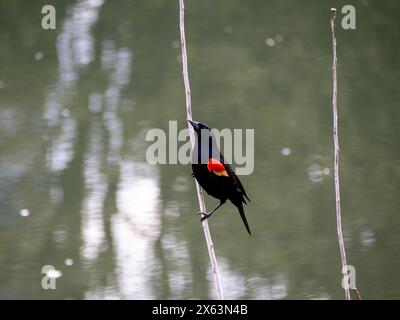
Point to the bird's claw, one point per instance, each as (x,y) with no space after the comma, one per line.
(204,216)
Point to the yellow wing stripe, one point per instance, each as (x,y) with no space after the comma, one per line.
(221,173)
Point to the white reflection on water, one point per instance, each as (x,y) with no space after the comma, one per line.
(95,102)
(239,286)
(172,210)
(317,169)
(233,283)
(75,45)
(56,193)
(274,288)
(179,275)
(181,184)
(135,229)
(8,121)
(39,55)
(107,54)
(75,48)
(24,213)
(85,13)
(317,173)
(367,238)
(286,151)
(122,65)
(68,262)
(96,188)
(60,151)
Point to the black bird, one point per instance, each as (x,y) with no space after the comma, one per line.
(214,175)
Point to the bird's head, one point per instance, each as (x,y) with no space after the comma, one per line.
(206,143)
(198,126)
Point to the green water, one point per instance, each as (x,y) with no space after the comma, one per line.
(76,103)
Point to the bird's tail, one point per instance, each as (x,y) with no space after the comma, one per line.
(243,216)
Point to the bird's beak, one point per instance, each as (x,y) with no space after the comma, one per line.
(194,124)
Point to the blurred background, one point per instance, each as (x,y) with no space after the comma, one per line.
(76,191)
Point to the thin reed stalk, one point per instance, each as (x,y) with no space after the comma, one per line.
(200,195)
(336,162)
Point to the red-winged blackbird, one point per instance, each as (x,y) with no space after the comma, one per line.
(214,175)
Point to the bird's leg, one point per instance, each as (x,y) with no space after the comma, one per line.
(206,215)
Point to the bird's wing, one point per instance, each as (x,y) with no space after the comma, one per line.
(236,181)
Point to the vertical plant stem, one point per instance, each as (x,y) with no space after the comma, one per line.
(210,245)
(336,162)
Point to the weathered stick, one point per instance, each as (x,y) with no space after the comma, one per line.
(336,162)
(210,245)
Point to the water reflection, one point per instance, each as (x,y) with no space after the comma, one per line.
(318,168)
(119,79)
(236,286)
(179,266)
(317,173)
(136,227)
(60,151)
(75,50)
(96,188)
(367,238)
(76,192)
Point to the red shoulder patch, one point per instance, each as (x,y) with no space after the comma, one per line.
(216,167)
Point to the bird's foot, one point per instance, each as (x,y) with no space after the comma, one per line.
(204,216)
